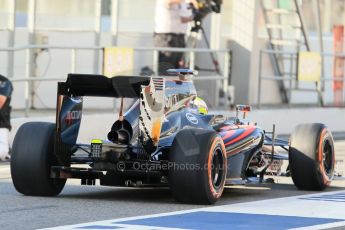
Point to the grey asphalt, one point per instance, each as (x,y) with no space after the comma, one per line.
(80,204)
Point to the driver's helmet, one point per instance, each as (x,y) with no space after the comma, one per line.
(200,106)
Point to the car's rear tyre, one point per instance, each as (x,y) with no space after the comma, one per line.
(198,166)
(32,157)
(311,157)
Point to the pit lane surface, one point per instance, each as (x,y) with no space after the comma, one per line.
(81,204)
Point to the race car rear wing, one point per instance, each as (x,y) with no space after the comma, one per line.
(150,92)
(101,86)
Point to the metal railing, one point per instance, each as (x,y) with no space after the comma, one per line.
(29,77)
(290,78)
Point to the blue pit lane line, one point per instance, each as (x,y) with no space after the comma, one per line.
(299,212)
(225,220)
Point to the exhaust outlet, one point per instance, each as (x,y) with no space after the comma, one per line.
(121,132)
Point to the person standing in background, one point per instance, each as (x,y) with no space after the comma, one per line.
(171,23)
(6,89)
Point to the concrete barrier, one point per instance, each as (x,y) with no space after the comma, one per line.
(287,119)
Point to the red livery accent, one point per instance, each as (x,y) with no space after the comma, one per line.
(229,134)
(243,135)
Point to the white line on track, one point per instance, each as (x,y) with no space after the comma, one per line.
(322,226)
(306,206)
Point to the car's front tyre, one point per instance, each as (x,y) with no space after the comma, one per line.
(311,157)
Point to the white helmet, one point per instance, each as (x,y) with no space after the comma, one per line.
(200,106)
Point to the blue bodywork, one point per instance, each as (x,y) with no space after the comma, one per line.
(243,140)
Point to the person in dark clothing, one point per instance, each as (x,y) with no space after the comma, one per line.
(171,23)
(6,89)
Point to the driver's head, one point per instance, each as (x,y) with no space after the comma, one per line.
(200,105)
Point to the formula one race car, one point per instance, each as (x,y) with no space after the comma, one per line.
(162,140)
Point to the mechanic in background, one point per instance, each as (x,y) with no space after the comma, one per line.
(171,23)
(6,89)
